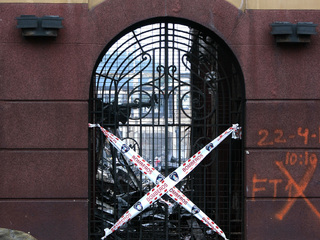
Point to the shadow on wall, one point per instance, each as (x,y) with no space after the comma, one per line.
(9,234)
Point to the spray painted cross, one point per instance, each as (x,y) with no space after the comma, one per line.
(300,188)
(167,185)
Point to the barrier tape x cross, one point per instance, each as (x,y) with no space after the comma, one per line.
(166,185)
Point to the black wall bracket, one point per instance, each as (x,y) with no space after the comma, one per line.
(286,32)
(46,26)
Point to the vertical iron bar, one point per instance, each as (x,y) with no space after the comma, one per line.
(217,164)
(230,188)
(204,187)
(166,69)
(153,126)
(194,69)
(140,150)
(159,74)
(230,169)
(179,130)
(128,111)
(114,168)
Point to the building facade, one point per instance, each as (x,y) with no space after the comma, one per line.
(49,91)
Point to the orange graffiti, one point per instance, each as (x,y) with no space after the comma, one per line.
(269,137)
(255,189)
(275,184)
(300,188)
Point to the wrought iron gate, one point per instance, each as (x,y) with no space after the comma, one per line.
(166,88)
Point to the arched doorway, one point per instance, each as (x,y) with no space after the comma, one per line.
(167,87)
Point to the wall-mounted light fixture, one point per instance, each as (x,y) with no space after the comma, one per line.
(46,26)
(286,32)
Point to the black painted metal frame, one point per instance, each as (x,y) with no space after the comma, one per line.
(166,87)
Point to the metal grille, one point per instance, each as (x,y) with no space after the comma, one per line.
(166,89)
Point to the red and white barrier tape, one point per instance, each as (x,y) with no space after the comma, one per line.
(166,186)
